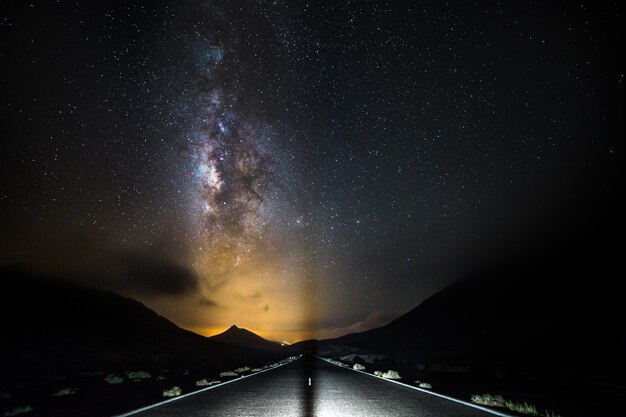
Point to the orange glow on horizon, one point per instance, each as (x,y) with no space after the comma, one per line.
(262,292)
(274,336)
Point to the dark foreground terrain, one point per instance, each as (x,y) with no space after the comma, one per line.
(99,352)
(541,336)
(552,342)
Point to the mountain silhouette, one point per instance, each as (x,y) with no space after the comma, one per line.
(52,326)
(525,328)
(538,309)
(245,338)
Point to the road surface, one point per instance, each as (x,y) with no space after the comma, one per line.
(333,392)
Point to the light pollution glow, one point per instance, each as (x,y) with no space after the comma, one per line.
(252,272)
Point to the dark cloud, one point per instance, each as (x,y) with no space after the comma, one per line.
(147,274)
(207,302)
(95,261)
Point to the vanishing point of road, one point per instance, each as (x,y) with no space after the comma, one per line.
(333,391)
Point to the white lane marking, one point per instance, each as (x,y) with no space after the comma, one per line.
(456,400)
(180,397)
(309,382)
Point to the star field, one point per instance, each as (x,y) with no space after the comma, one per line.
(298,167)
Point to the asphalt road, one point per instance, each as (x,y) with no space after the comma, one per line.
(334,391)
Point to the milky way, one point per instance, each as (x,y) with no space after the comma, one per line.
(246,226)
(232,170)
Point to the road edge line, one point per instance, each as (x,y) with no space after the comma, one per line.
(180,397)
(456,400)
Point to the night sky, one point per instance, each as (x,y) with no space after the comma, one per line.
(301,169)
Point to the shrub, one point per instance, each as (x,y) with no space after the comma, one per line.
(358,367)
(172,392)
(65,391)
(522,408)
(138,375)
(391,375)
(488,399)
(21,409)
(206,382)
(498,401)
(113,379)
(202,383)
